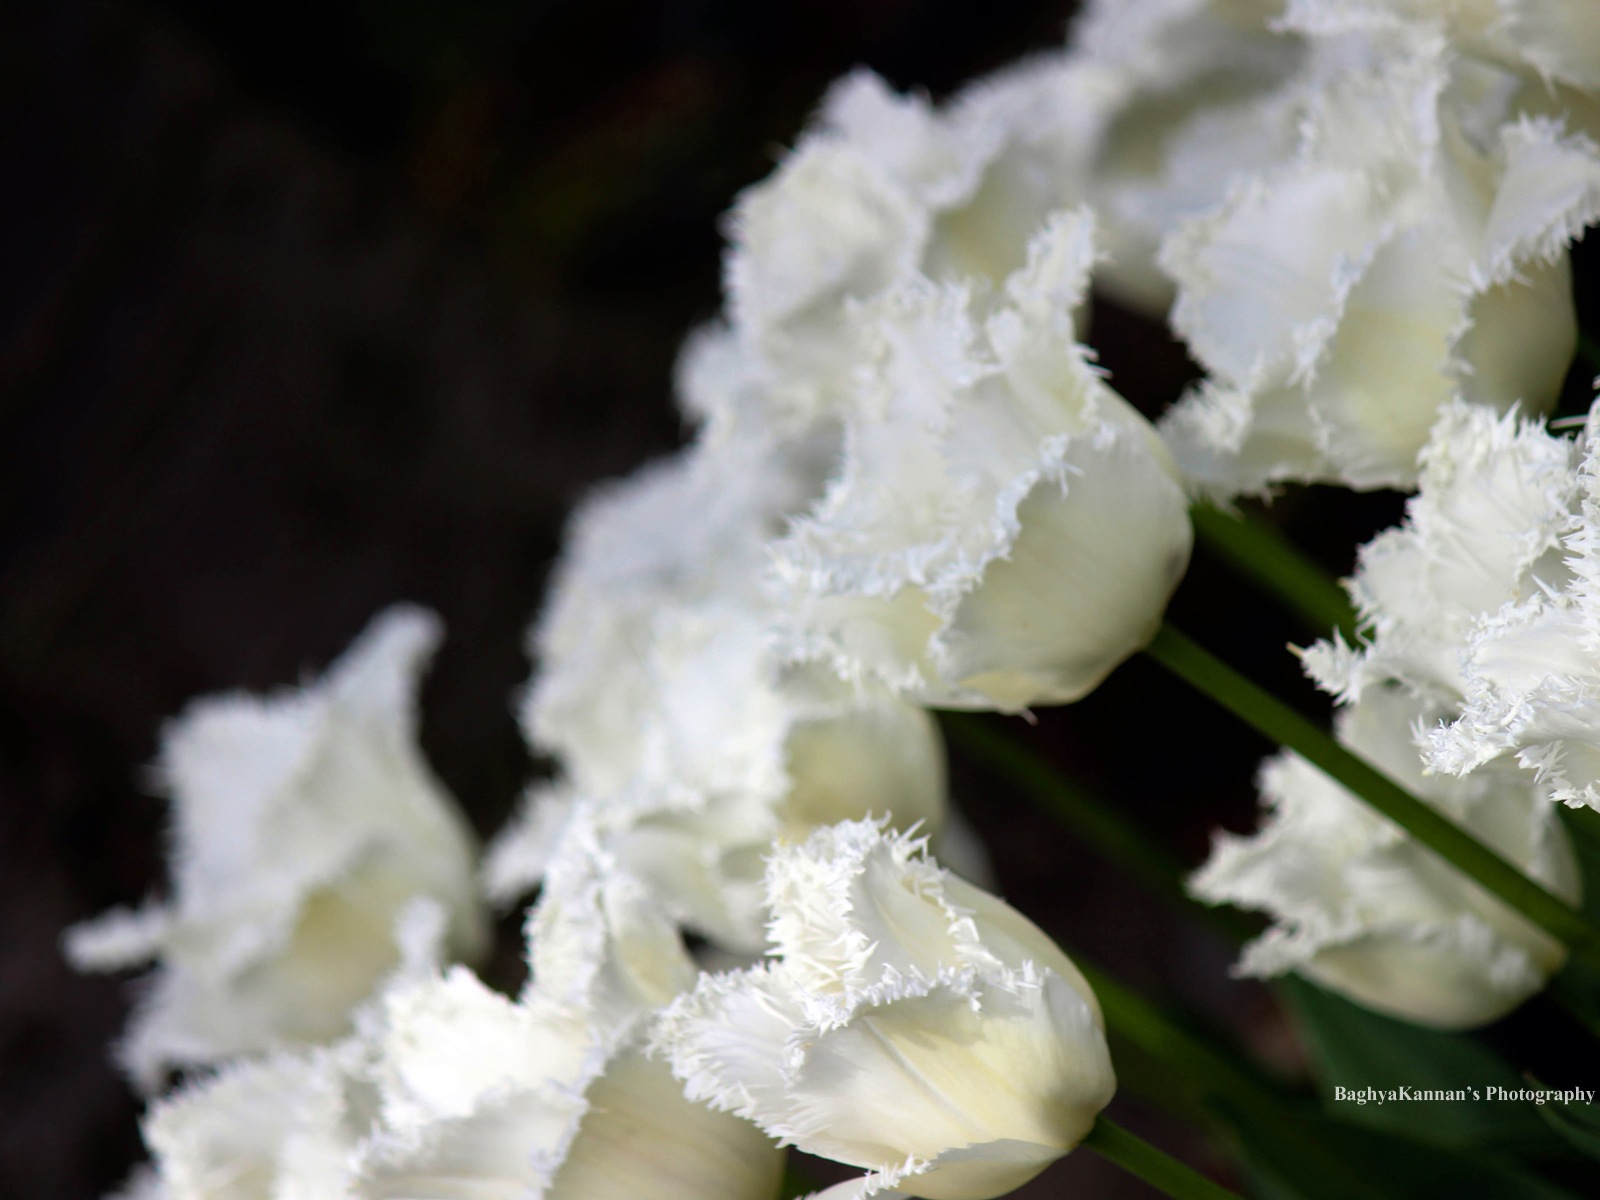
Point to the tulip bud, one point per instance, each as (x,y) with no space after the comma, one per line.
(304,825)
(910,1024)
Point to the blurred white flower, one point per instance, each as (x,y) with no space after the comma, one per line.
(1555,40)
(285,1125)
(653,565)
(1495,495)
(910,1024)
(1172,99)
(658,693)
(883,188)
(1005,529)
(550,1097)
(1412,249)
(1364,909)
(1531,668)
(448,1089)
(1147,115)
(305,826)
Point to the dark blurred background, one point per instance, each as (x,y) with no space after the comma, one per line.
(309,307)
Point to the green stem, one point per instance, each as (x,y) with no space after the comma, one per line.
(1575,994)
(1589,351)
(1156,1167)
(1260,552)
(1088,816)
(1212,1072)
(1231,1089)
(1106,832)
(1277,721)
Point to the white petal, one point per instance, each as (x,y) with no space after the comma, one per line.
(643,1137)
(259,1130)
(1106,532)
(306,826)
(1367,911)
(973,422)
(728,1040)
(1412,249)
(118,938)
(451,1043)
(911,1025)
(1014,1078)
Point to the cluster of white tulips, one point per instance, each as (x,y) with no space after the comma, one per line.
(911,486)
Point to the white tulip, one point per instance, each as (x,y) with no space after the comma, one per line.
(1362,908)
(650,561)
(658,692)
(1181,97)
(1554,40)
(550,1097)
(305,825)
(1495,496)
(1532,684)
(883,189)
(281,1127)
(1004,529)
(1412,249)
(448,1090)
(909,1024)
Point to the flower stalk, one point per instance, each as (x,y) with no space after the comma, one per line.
(1260,552)
(1072,805)
(1100,826)
(1156,1167)
(1276,720)
(1232,1090)
(1215,1071)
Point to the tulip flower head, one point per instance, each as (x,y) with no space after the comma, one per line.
(1531,681)
(304,826)
(1004,528)
(908,1023)
(550,1097)
(658,692)
(1362,908)
(1496,494)
(1413,248)
(881,190)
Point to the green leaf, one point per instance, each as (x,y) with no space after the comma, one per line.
(1356,1048)
(1373,1164)
(1577,1124)
(1577,986)
(1583,831)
